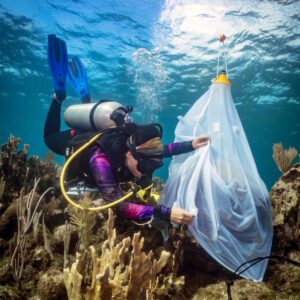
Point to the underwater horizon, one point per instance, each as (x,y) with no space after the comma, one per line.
(159,57)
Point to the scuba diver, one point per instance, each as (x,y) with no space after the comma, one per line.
(124,152)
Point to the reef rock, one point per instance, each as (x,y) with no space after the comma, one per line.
(40,259)
(285,199)
(61,233)
(282,281)
(51,285)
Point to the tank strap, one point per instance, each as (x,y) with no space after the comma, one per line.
(92,122)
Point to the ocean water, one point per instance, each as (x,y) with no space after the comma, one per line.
(160,57)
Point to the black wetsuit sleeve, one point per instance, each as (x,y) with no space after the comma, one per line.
(177,148)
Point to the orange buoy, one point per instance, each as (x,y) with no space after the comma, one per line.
(222,37)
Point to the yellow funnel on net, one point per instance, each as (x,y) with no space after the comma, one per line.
(222,78)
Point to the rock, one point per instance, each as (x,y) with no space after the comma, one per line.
(5,275)
(8,222)
(57,218)
(282,281)
(4,245)
(59,235)
(28,273)
(40,259)
(8,292)
(285,200)
(51,285)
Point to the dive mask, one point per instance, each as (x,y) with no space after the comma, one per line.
(149,153)
(148,166)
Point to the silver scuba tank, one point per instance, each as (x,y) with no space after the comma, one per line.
(95,116)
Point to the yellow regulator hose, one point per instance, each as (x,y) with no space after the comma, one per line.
(63,173)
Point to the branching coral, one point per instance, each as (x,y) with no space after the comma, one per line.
(73,281)
(283,158)
(123,271)
(25,216)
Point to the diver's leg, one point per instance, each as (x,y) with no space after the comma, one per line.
(55,139)
(58,63)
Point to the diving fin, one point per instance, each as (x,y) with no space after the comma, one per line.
(78,80)
(58,63)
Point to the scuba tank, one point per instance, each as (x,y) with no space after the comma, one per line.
(97,116)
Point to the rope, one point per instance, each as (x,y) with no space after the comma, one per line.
(227,74)
(223,54)
(218,59)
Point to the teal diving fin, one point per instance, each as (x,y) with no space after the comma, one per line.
(58,63)
(78,80)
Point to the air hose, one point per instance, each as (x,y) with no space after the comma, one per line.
(63,173)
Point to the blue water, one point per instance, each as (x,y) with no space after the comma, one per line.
(160,57)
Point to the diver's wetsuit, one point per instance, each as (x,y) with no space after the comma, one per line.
(110,189)
(55,139)
(101,169)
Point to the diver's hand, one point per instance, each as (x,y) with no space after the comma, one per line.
(200,141)
(180,216)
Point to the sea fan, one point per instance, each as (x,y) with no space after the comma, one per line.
(283,158)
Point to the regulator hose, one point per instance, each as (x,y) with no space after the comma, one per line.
(63,173)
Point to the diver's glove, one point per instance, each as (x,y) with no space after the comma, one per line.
(162,213)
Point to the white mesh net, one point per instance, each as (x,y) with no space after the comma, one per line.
(220,184)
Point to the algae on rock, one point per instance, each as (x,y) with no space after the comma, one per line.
(285,199)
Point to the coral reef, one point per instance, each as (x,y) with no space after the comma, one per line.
(64,253)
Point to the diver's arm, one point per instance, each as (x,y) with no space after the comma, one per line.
(185,147)
(178,148)
(103,176)
(110,189)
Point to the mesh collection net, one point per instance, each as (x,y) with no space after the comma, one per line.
(220,184)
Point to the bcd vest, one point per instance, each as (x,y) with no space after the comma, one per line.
(112,142)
